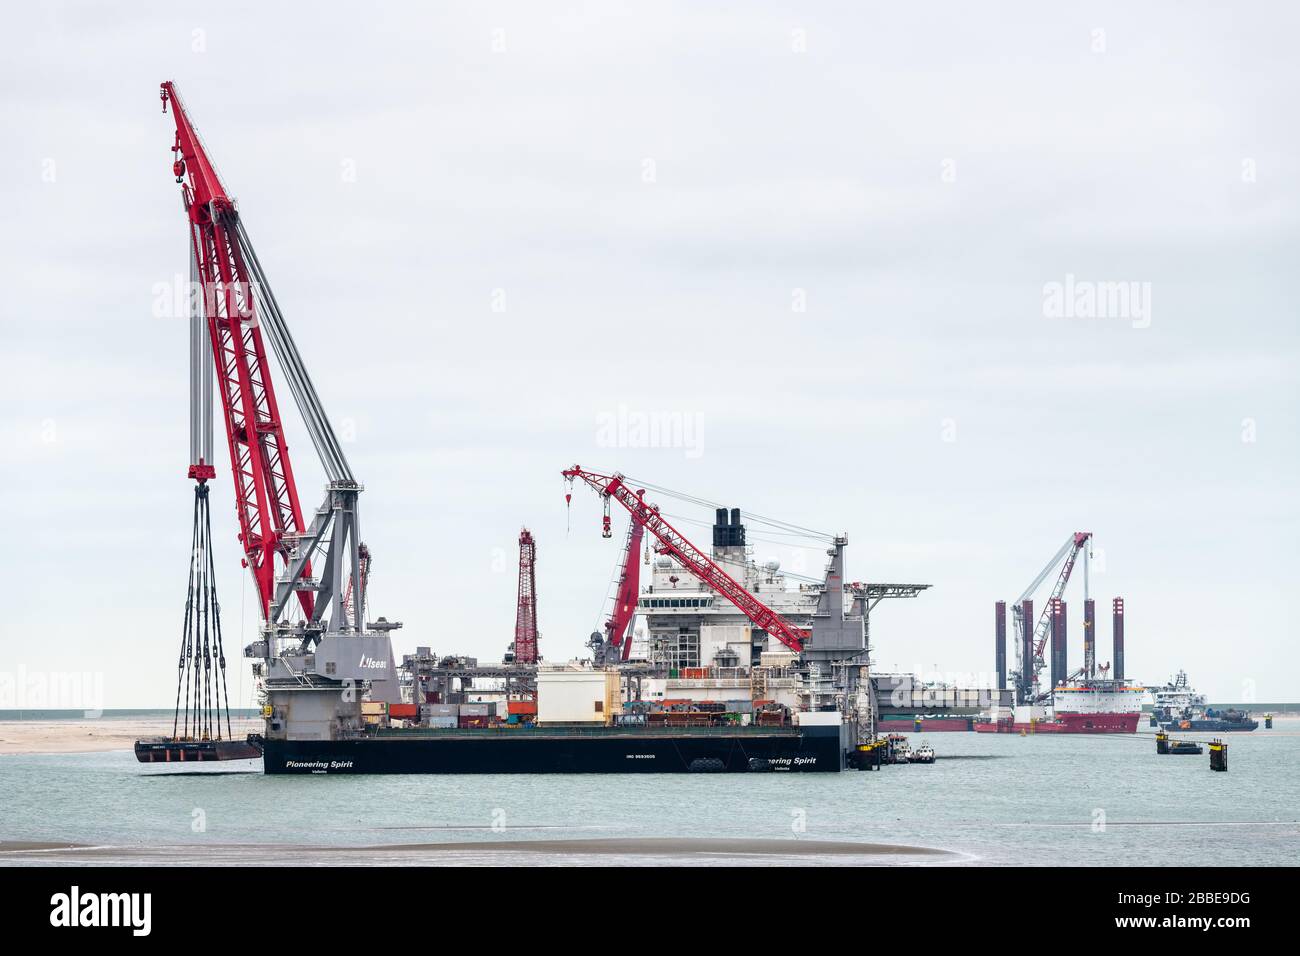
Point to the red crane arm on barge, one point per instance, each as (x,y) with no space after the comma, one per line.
(629,587)
(675,544)
(266,497)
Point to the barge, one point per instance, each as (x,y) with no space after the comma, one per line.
(178,750)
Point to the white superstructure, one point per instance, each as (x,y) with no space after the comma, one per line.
(1098,698)
(688,625)
(711,649)
(1177,699)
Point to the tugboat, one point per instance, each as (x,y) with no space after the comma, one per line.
(900,749)
(923,753)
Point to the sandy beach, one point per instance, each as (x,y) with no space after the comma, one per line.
(91,736)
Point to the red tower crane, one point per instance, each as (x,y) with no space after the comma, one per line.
(674,543)
(617,634)
(526,614)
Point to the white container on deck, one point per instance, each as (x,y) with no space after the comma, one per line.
(577,696)
(818,718)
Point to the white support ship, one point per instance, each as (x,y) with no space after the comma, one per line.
(1177,700)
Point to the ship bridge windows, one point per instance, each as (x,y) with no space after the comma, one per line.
(675,603)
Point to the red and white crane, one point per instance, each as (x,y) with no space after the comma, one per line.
(242,316)
(266,496)
(674,544)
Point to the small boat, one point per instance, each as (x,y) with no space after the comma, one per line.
(900,749)
(923,754)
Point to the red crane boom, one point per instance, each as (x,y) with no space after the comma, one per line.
(629,587)
(675,544)
(266,496)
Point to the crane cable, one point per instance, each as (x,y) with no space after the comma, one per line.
(305,397)
(788,527)
(782,544)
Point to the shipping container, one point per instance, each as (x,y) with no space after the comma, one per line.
(371,708)
(403,711)
(577,696)
(517,707)
(441,723)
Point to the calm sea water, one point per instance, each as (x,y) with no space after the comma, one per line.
(1050,800)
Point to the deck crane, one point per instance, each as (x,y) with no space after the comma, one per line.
(618,634)
(1030,643)
(674,544)
(241,315)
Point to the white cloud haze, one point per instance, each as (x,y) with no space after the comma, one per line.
(919,174)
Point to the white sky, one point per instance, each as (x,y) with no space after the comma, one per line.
(822,171)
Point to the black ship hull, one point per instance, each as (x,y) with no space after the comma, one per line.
(814,749)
